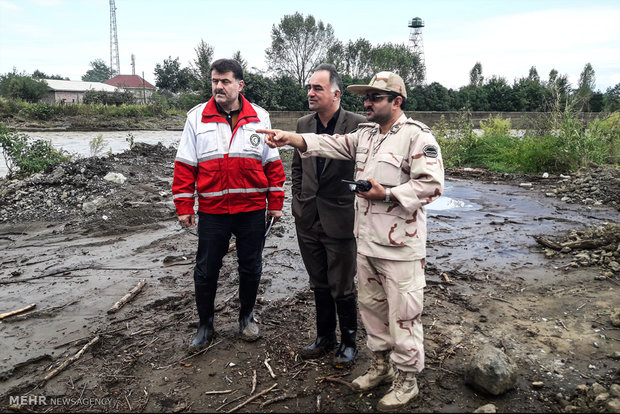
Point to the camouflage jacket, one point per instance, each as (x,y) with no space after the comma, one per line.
(408,161)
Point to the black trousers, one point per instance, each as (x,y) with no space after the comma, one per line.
(214,233)
(330,263)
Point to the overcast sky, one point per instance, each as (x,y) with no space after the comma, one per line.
(62,37)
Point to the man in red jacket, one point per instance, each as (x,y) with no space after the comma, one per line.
(225,163)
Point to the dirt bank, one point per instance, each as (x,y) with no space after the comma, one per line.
(74,244)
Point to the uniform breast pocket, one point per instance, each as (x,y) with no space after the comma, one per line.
(252,142)
(361,156)
(206,140)
(388,169)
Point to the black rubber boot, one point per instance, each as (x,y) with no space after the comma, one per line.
(248,328)
(205,303)
(325,326)
(347,316)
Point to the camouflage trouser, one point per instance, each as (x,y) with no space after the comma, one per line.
(391,298)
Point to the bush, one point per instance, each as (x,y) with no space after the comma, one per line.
(24,157)
(495,126)
(41,111)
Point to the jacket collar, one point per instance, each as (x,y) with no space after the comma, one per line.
(247,113)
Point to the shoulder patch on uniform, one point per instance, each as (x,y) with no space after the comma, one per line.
(430,151)
(421,125)
(366,124)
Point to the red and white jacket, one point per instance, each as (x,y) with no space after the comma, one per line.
(230,171)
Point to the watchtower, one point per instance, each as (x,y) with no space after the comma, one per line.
(417,47)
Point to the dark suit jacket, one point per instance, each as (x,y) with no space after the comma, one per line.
(332,201)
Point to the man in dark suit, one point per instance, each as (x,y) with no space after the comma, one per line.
(323,210)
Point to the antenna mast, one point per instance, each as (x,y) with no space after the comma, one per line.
(115,66)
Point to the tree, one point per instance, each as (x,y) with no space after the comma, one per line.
(433,97)
(475,75)
(100,72)
(201,68)
(352,59)
(499,94)
(21,86)
(37,74)
(298,45)
(244,63)
(585,89)
(611,98)
(397,58)
(529,92)
(171,77)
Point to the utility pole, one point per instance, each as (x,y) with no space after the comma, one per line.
(115,66)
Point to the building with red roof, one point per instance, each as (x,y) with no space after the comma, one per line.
(135,84)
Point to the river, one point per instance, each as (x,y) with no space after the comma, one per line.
(77,143)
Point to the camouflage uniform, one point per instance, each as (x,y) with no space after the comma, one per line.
(391,236)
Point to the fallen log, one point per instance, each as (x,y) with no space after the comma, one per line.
(128,296)
(18,311)
(74,358)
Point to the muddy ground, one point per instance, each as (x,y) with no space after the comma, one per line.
(73,244)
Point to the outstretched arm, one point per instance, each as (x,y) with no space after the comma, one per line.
(278,138)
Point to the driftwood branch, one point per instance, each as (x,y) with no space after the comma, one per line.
(282,397)
(548,243)
(74,358)
(128,296)
(260,394)
(18,311)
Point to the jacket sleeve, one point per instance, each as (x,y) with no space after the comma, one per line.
(338,147)
(426,173)
(274,171)
(185,171)
(296,170)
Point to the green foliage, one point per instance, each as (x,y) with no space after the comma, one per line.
(496,126)
(23,156)
(40,111)
(21,86)
(99,72)
(570,146)
(189,100)
(96,145)
(171,77)
(298,45)
(117,97)
(131,140)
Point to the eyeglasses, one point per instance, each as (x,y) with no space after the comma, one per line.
(374,98)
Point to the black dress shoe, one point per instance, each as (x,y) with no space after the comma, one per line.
(345,355)
(321,346)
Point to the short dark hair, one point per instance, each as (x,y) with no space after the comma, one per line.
(334,77)
(393,95)
(228,65)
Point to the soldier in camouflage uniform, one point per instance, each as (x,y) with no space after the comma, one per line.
(401,159)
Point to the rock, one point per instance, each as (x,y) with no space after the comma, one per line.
(92,205)
(602,397)
(488,408)
(491,371)
(613,405)
(598,388)
(615,317)
(614,390)
(115,178)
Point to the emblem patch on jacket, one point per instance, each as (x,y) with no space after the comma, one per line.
(254,140)
(430,151)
